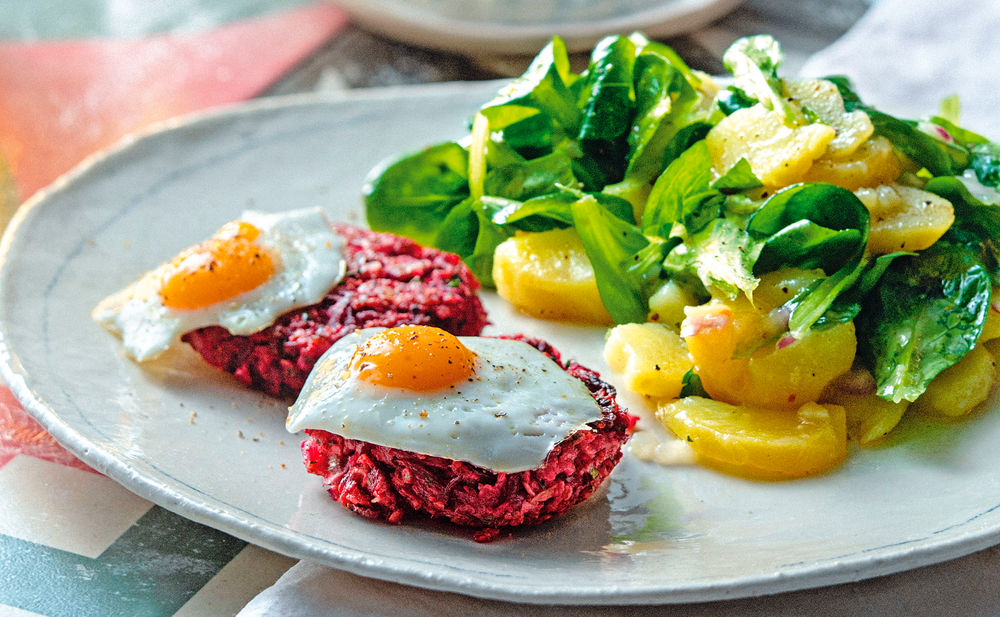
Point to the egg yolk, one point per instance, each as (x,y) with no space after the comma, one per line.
(222,267)
(420,358)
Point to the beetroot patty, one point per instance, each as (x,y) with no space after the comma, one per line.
(387,483)
(390,281)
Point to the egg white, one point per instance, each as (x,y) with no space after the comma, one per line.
(507,417)
(308,259)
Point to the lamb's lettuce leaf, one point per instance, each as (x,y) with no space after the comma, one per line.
(924,316)
(837,298)
(667,105)
(740,177)
(732,99)
(808,226)
(754,62)
(556,210)
(613,246)
(984,154)
(532,178)
(413,194)
(608,110)
(683,194)
(691,385)
(986,163)
(977,224)
(469,232)
(722,254)
(544,87)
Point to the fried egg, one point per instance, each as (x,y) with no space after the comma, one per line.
(497,403)
(242,278)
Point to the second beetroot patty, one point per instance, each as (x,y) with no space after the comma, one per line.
(388,483)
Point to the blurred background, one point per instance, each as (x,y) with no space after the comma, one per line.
(77,75)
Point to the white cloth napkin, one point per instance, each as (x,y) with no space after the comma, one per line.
(903,56)
(966,587)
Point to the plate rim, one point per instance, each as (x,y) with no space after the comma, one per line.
(424,28)
(810,575)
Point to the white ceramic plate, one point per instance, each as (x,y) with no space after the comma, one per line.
(193,441)
(523,26)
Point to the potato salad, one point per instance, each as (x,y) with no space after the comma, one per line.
(784,268)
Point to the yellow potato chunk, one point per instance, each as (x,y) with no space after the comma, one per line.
(874,163)
(823,98)
(991,328)
(776,288)
(960,388)
(993,346)
(904,218)
(739,361)
(547,274)
(760,442)
(666,306)
(869,416)
(651,358)
(778,154)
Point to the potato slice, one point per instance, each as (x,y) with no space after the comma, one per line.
(869,416)
(739,360)
(874,163)
(960,388)
(778,154)
(547,274)
(904,218)
(993,346)
(991,328)
(651,358)
(666,306)
(822,98)
(760,442)
(778,287)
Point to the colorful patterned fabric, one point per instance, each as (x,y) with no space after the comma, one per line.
(76,76)
(61,100)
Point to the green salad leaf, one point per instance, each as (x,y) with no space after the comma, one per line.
(837,298)
(544,88)
(682,194)
(924,316)
(607,112)
(691,385)
(532,178)
(733,99)
(469,232)
(809,226)
(754,62)
(977,223)
(413,194)
(722,255)
(931,150)
(740,177)
(668,115)
(612,246)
